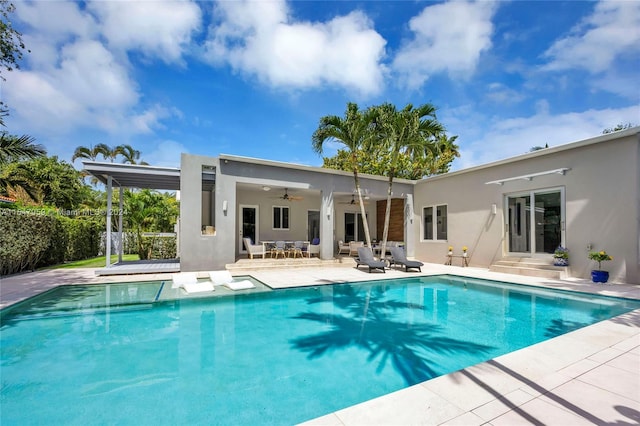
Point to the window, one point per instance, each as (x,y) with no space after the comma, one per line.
(208,216)
(437,228)
(280,217)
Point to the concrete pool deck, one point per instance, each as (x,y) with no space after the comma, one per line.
(588,376)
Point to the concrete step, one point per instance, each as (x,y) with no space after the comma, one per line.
(264,264)
(529,266)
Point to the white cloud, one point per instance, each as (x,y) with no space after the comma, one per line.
(511,137)
(262,39)
(161,29)
(86,87)
(447,37)
(78,73)
(611,31)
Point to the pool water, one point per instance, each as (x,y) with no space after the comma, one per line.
(278,357)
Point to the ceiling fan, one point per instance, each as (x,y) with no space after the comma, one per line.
(288,197)
(353,201)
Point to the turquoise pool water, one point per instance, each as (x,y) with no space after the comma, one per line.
(278,357)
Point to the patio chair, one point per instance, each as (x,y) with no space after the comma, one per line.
(399,257)
(296,249)
(342,247)
(189,282)
(365,257)
(254,249)
(279,248)
(353,247)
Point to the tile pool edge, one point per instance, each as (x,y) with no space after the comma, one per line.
(535,370)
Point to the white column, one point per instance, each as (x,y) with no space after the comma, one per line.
(120,226)
(108,236)
(409,226)
(327,213)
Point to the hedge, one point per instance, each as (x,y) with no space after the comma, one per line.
(30,239)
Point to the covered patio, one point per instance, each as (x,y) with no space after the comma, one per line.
(132,176)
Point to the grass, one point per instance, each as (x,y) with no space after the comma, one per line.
(95,262)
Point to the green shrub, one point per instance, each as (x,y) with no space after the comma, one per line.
(35,238)
(24,239)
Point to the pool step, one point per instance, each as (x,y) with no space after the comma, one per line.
(532,267)
(261,264)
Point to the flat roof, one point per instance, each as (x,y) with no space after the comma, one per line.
(135,175)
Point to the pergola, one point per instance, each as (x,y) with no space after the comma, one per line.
(129,176)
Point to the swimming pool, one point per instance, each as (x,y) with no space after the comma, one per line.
(277,357)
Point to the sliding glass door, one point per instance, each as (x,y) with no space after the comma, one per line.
(535,222)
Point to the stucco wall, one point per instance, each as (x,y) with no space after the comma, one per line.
(602,205)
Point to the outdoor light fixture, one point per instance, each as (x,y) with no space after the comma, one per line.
(225,206)
(494,208)
(266,188)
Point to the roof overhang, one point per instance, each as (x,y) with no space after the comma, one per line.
(135,175)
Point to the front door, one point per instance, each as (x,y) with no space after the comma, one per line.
(248,220)
(535,222)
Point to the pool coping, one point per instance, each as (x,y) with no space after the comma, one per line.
(591,375)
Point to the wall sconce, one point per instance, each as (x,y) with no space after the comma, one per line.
(494,209)
(328,216)
(225,206)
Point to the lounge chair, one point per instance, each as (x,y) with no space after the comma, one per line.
(365,257)
(254,249)
(399,257)
(342,247)
(189,282)
(224,278)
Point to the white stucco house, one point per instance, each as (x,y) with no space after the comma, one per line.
(510,214)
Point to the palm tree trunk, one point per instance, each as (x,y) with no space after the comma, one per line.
(387,218)
(365,222)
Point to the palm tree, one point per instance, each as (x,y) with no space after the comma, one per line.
(354,132)
(411,132)
(131,155)
(16,148)
(92,152)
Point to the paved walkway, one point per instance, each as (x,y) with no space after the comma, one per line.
(589,376)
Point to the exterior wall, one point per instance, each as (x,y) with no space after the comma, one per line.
(602,204)
(204,252)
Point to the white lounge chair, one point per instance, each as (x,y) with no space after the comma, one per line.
(314,247)
(254,249)
(189,282)
(224,278)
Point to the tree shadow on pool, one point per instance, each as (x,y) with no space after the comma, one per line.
(369,323)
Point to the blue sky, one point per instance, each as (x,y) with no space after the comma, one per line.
(253,78)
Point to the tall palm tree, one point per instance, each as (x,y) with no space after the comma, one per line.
(92,152)
(16,148)
(411,132)
(354,132)
(131,155)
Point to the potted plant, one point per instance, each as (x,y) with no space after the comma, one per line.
(450,250)
(600,276)
(561,256)
(464,251)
